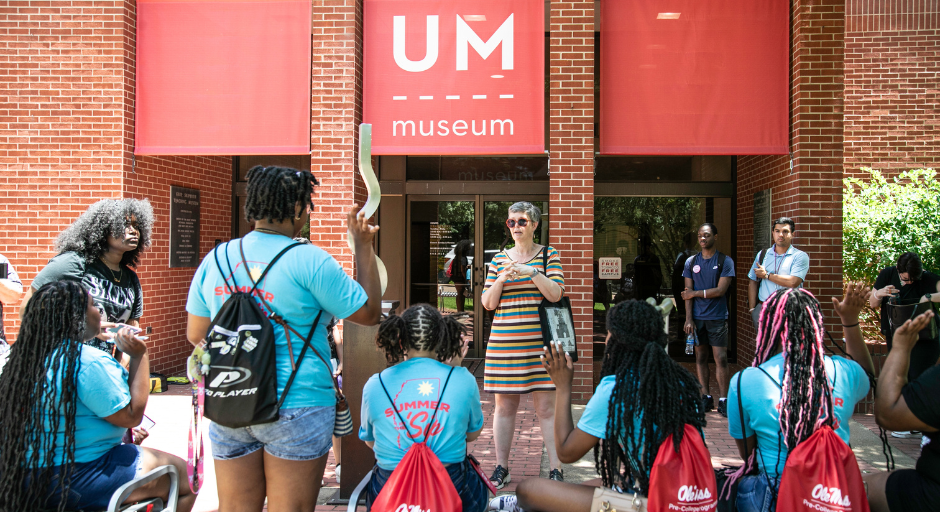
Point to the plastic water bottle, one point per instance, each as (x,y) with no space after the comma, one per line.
(690,344)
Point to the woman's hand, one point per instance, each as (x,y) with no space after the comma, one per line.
(906,335)
(523,270)
(558,364)
(104,334)
(358,225)
(129,344)
(140,434)
(856,297)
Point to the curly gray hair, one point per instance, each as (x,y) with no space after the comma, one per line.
(530,210)
(88,235)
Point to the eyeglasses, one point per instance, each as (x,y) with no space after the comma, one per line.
(512,223)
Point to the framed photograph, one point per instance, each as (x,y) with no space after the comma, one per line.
(558,325)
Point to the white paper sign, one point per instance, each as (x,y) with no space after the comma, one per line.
(608,268)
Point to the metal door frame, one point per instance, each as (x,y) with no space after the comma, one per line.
(479,273)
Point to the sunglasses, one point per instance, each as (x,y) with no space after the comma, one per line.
(512,223)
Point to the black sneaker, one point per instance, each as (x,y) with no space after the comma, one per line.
(708,403)
(723,407)
(556,474)
(500,477)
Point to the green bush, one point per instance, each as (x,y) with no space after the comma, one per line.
(883,218)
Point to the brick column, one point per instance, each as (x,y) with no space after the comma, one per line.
(812,193)
(336,110)
(571,142)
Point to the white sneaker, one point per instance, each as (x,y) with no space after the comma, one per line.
(505,503)
(339,467)
(902,434)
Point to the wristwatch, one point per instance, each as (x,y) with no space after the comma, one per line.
(928,295)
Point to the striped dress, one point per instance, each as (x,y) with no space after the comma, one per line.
(512,353)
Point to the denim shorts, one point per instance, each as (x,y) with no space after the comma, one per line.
(473,493)
(304,433)
(755,494)
(93,483)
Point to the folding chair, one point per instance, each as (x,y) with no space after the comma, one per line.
(148,505)
(357,492)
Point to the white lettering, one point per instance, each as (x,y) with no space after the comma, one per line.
(473,127)
(430,128)
(224,378)
(442,128)
(691,493)
(831,495)
(461,125)
(502,125)
(403,126)
(398,45)
(466,35)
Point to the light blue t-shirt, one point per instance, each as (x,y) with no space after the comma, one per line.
(415,386)
(102,391)
(704,276)
(794,262)
(761,398)
(303,282)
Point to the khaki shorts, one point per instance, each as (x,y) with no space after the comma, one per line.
(609,500)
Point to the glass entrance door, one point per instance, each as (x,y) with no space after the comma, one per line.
(451,240)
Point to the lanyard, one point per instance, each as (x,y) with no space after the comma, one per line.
(194,463)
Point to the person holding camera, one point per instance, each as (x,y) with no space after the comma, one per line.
(11,290)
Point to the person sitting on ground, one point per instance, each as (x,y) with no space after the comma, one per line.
(432,346)
(642,398)
(66,406)
(786,402)
(904,405)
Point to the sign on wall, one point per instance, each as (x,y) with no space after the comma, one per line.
(456,77)
(608,268)
(763,231)
(184,227)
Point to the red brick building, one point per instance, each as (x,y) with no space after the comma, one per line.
(862,92)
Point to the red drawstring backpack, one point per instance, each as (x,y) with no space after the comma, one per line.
(420,483)
(822,474)
(684,480)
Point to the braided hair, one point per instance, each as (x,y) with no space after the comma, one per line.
(274,192)
(420,327)
(49,343)
(649,385)
(792,321)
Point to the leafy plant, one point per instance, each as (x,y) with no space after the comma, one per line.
(883,218)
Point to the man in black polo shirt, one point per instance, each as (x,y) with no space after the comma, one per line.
(904,405)
(910,283)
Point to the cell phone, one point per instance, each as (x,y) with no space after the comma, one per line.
(147,423)
(4,270)
(118,327)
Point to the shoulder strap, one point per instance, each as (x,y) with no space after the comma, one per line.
(741,414)
(300,359)
(769,377)
(721,263)
(760,257)
(545,260)
(440,400)
(218,265)
(256,284)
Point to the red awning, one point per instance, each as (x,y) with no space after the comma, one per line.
(693,77)
(223,77)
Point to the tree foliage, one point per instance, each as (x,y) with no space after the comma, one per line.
(883,218)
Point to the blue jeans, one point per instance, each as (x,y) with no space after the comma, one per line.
(94,482)
(470,487)
(303,433)
(755,494)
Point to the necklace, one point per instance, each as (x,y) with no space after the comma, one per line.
(269,231)
(117,279)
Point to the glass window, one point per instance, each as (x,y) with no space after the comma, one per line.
(465,168)
(663,168)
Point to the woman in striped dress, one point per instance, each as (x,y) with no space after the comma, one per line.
(516,281)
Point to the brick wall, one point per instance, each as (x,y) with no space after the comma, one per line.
(62,87)
(165,288)
(571,143)
(892,60)
(812,193)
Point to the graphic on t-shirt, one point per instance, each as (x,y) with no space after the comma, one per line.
(255,270)
(104,292)
(417,412)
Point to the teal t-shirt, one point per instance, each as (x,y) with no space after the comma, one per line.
(102,391)
(415,386)
(761,398)
(303,282)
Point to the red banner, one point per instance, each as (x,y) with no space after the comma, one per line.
(693,77)
(456,77)
(223,77)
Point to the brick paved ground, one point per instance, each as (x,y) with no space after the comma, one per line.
(171,413)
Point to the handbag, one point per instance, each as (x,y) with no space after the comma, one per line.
(609,500)
(556,320)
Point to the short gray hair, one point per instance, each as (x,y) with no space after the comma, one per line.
(531,211)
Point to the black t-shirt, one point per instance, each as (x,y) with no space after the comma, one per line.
(924,401)
(118,295)
(909,294)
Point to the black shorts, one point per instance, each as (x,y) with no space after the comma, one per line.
(908,490)
(712,332)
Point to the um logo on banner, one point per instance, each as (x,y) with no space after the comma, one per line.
(466,37)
